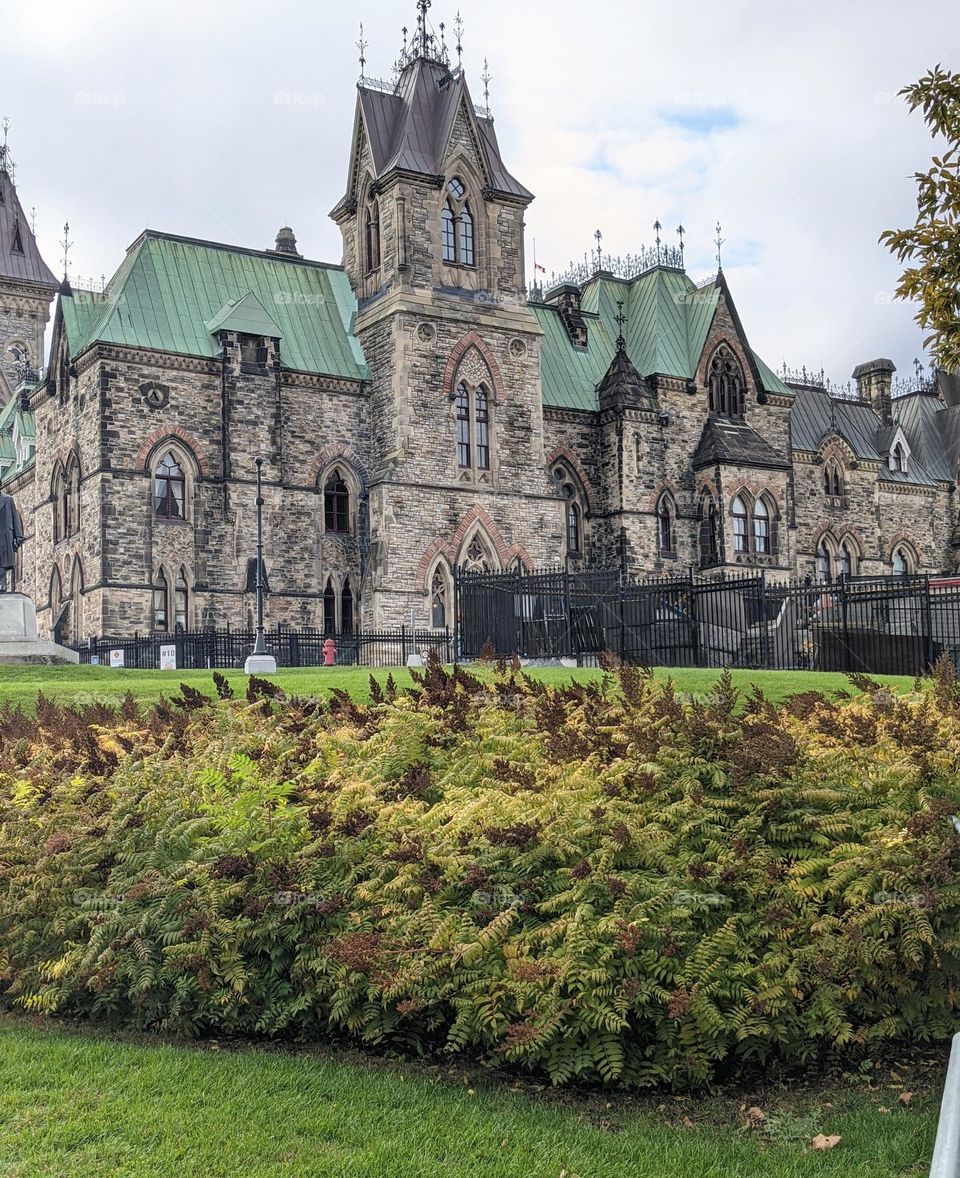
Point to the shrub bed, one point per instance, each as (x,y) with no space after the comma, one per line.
(603,882)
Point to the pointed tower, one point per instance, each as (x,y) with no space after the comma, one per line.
(432,225)
(26,286)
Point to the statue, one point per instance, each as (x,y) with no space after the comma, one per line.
(11,537)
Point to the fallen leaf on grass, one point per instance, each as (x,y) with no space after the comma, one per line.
(881,1109)
(687,1123)
(755,1116)
(822,1141)
(905,1097)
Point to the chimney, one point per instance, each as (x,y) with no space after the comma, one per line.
(874,381)
(286,243)
(566,299)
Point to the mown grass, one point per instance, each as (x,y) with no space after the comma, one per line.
(75,1103)
(20,685)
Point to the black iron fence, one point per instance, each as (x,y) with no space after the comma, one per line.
(291,648)
(883,625)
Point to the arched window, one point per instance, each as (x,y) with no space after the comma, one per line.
(478,555)
(169,489)
(438,599)
(833,485)
(457,242)
(180,602)
(473,427)
(161,599)
(741,538)
(482,414)
(346,608)
(761,528)
(329,609)
(846,560)
(898,459)
(823,563)
(665,518)
(76,604)
(902,563)
(336,504)
(60,499)
(372,236)
(463,426)
(725,384)
(709,531)
(72,505)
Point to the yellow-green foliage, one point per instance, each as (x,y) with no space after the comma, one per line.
(603,882)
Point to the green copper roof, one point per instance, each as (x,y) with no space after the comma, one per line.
(668,318)
(169,289)
(246,316)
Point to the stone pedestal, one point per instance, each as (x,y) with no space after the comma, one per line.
(260,664)
(19,644)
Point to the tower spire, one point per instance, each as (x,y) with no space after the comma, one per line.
(486,77)
(422,34)
(362,45)
(67,245)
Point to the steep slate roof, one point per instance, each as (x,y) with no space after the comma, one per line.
(668,318)
(815,415)
(734,442)
(24,263)
(170,289)
(623,387)
(409,130)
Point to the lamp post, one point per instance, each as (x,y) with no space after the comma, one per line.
(260,661)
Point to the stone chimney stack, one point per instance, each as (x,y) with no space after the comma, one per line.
(566,299)
(874,382)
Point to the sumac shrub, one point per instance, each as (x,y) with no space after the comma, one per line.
(598,882)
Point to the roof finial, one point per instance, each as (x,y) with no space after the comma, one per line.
(486,77)
(620,321)
(422,34)
(362,46)
(5,124)
(718,241)
(680,232)
(656,228)
(458,26)
(67,245)
(598,238)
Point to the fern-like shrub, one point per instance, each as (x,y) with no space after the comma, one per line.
(603,882)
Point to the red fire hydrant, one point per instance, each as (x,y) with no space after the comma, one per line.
(329,653)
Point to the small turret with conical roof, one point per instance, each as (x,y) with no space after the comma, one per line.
(622,386)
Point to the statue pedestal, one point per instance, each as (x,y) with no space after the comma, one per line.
(19,644)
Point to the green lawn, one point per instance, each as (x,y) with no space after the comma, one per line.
(73,1103)
(19,685)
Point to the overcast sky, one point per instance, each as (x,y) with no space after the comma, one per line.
(224,119)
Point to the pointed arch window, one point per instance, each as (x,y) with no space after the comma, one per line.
(709,531)
(438,599)
(457,238)
(824,568)
(346,608)
(336,504)
(161,597)
(473,427)
(477,558)
(741,537)
(60,499)
(761,528)
(169,489)
(902,564)
(666,515)
(574,540)
(898,459)
(846,560)
(181,601)
(329,608)
(371,236)
(72,503)
(833,480)
(76,603)
(725,383)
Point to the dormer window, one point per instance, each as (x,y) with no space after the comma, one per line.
(898,459)
(457,242)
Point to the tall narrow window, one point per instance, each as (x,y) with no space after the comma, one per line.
(372,236)
(72,509)
(76,603)
(463,426)
(709,539)
(329,609)
(448,235)
(725,383)
(161,592)
(845,560)
(573,527)
(466,237)
(898,459)
(482,411)
(169,489)
(900,564)
(741,539)
(761,528)
(438,600)
(665,524)
(180,614)
(346,608)
(58,498)
(336,504)
(823,563)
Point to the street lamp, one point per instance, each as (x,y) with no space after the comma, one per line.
(260,661)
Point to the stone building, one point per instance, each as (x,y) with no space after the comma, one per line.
(416,410)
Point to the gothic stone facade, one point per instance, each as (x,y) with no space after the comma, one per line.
(414,412)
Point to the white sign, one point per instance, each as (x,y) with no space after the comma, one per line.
(116,658)
(94,660)
(168,658)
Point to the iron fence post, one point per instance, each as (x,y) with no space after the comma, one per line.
(927,624)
